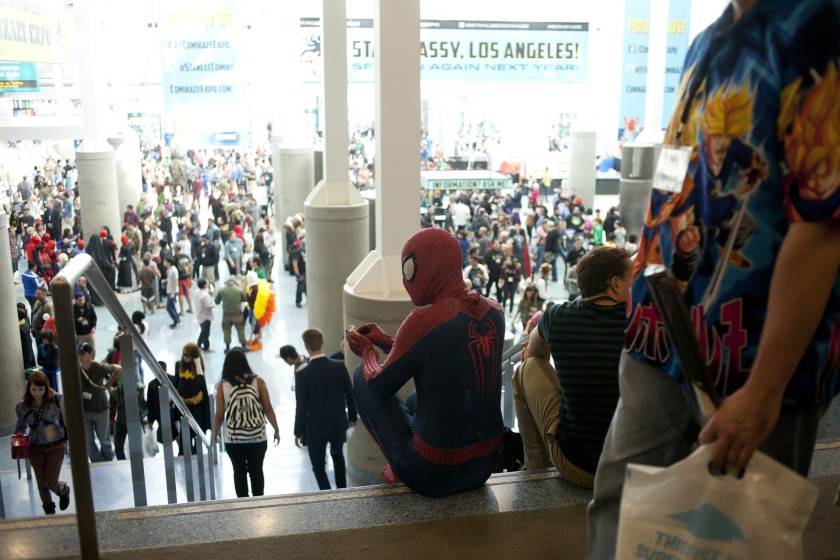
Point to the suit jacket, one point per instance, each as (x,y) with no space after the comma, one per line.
(322,390)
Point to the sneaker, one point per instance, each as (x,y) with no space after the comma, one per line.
(175,325)
(64,498)
(49,509)
(297,304)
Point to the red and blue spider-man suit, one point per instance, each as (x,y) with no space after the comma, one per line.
(449,440)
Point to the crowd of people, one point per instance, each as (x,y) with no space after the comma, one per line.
(161,250)
(515,244)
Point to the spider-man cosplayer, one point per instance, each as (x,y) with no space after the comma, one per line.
(449,440)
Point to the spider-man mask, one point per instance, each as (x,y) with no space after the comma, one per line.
(431,266)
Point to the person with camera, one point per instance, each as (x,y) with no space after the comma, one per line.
(96,378)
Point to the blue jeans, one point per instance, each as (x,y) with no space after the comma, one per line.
(317,447)
(300,289)
(97,426)
(653,426)
(171,309)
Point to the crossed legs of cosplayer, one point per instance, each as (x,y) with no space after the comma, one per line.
(390,424)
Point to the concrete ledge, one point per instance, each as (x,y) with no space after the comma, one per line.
(518,515)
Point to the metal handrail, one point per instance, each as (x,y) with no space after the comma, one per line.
(63,288)
(83,265)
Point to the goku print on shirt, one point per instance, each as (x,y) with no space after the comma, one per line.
(765,133)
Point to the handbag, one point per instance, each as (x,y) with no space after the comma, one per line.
(20,448)
(685,511)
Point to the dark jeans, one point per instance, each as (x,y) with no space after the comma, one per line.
(120,434)
(204,336)
(318,457)
(301,288)
(171,309)
(507,295)
(247,460)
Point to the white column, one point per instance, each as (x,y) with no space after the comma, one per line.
(582,165)
(98,190)
(129,174)
(374,292)
(334,210)
(95,157)
(11,375)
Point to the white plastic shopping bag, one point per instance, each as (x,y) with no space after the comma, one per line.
(150,442)
(685,512)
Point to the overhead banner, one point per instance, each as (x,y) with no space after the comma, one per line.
(450,50)
(679,16)
(18,76)
(204,87)
(634,69)
(33,31)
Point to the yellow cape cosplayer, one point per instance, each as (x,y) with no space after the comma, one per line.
(265,304)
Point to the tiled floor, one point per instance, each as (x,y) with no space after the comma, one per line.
(287,468)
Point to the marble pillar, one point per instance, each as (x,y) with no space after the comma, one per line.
(638,162)
(98,188)
(336,214)
(293,181)
(129,174)
(12,382)
(374,292)
(582,165)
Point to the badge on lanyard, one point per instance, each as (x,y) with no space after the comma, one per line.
(671,168)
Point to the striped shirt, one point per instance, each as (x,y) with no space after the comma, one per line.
(585,341)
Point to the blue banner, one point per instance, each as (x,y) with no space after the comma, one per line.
(634,69)
(204,85)
(18,76)
(679,16)
(489,51)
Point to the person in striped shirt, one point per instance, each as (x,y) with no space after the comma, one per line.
(564,411)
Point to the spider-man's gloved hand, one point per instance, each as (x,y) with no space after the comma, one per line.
(377,336)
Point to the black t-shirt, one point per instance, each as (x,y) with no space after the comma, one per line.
(585,341)
(297,255)
(575,255)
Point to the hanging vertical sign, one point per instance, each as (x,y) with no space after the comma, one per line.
(634,69)
(204,86)
(679,14)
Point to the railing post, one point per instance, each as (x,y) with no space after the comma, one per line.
(168,458)
(202,485)
(62,294)
(132,412)
(211,450)
(186,448)
(2,506)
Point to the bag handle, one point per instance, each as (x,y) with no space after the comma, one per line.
(91,383)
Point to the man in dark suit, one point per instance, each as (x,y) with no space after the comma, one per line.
(322,391)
